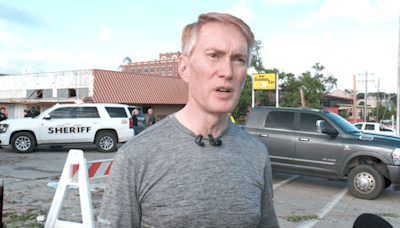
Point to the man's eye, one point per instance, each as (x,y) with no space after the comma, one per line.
(241,60)
(213,55)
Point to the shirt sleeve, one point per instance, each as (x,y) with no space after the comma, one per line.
(268,215)
(120,206)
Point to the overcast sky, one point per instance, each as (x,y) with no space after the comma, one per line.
(346,36)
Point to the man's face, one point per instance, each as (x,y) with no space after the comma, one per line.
(150,111)
(3,111)
(216,70)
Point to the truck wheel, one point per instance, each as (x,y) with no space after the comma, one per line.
(365,182)
(23,142)
(106,141)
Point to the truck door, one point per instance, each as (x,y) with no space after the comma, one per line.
(316,153)
(57,128)
(279,137)
(86,122)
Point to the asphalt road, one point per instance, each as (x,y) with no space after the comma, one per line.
(26,176)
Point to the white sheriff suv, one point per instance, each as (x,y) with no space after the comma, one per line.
(102,124)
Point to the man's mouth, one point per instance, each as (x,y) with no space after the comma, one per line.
(223,90)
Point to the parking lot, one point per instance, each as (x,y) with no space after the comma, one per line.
(27,195)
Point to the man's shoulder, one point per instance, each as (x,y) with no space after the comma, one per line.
(149,138)
(240,134)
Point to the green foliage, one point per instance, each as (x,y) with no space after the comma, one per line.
(344,114)
(244,100)
(33,225)
(313,87)
(305,217)
(384,112)
(24,216)
(256,60)
(389,215)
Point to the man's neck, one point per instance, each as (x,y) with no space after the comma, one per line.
(202,123)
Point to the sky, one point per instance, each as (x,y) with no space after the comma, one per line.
(347,37)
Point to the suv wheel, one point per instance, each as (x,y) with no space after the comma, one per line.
(23,142)
(365,182)
(106,141)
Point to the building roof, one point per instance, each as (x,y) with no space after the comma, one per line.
(129,88)
(337,97)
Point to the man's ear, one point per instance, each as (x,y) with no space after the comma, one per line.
(183,68)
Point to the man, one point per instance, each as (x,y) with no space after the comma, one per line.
(195,168)
(231,117)
(3,114)
(32,113)
(152,118)
(135,113)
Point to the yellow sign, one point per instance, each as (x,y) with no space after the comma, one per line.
(264,81)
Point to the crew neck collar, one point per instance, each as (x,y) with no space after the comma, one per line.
(189,132)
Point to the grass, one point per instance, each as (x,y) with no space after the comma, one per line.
(389,215)
(12,226)
(34,225)
(295,218)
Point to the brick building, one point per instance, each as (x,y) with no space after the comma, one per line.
(167,65)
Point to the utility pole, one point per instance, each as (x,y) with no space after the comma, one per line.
(378,104)
(354,100)
(366,93)
(398,87)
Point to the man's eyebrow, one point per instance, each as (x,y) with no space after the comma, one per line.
(220,51)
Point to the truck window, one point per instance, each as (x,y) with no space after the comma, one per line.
(116,112)
(370,127)
(280,120)
(86,112)
(359,126)
(61,113)
(308,122)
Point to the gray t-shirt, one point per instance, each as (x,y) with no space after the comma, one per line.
(162,178)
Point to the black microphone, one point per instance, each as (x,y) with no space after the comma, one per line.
(214,142)
(198,140)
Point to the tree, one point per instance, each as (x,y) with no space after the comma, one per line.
(260,95)
(313,87)
(384,112)
(344,114)
(244,100)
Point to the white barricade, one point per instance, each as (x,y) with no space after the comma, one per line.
(71,176)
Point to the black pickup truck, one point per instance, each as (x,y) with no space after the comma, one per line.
(322,144)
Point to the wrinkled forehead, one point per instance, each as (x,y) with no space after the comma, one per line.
(215,32)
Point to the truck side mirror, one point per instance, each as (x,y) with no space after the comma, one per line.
(320,126)
(47,117)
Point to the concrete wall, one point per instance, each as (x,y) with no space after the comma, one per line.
(14,90)
(16,86)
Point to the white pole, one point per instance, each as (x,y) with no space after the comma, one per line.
(277,88)
(252,91)
(398,87)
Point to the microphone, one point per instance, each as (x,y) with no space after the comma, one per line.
(214,142)
(198,140)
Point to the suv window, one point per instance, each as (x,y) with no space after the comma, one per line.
(308,122)
(359,126)
(86,112)
(140,111)
(280,120)
(369,127)
(62,113)
(116,112)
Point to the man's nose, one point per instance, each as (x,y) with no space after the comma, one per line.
(225,69)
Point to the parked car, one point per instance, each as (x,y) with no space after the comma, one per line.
(322,144)
(141,118)
(102,124)
(374,128)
